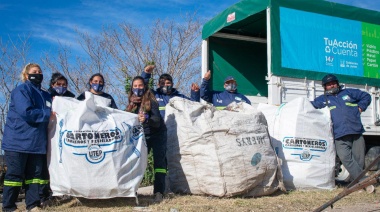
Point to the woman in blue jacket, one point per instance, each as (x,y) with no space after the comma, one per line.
(25,138)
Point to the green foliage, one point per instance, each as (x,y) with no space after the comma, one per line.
(151,62)
(151,83)
(149,173)
(128,84)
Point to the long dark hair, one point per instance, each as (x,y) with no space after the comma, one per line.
(55,77)
(146,98)
(92,77)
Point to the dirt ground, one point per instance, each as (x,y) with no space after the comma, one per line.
(359,201)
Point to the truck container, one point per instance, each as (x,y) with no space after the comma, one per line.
(279,50)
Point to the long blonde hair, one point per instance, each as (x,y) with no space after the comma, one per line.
(25,70)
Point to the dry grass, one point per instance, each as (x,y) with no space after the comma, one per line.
(292,201)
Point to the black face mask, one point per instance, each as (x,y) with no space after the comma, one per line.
(36,78)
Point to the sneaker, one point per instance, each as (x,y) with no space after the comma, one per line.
(158,197)
(370,189)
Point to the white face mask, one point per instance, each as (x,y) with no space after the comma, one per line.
(231,87)
(333,90)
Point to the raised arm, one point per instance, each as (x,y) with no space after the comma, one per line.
(205,93)
(147,73)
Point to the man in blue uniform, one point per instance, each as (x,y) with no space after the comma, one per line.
(165,90)
(163,94)
(220,99)
(345,106)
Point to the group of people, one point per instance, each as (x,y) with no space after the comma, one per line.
(25,131)
(30,109)
(25,134)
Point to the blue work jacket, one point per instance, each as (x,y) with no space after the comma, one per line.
(344,110)
(25,129)
(163,99)
(220,99)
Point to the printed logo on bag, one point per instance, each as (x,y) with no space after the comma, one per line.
(304,148)
(93,145)
(251,140)
(95,153)
(137,131)
(256,158)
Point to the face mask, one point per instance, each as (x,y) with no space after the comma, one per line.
(36,78)
(138,91)
(166,89)
(60,89)
(333,90)
(231,87)
(97,87)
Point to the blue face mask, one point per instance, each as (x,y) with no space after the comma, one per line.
(166,89)
(231,87)
(97,87)
(60,90)
(138,91)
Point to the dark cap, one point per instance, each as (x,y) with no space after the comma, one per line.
(329,78)
(229,78)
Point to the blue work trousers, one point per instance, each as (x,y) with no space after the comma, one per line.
(157,142)
(22,168)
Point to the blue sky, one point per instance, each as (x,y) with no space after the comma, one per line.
(49,22)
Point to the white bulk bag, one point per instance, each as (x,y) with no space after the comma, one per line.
(94,151)
(219,153)
(303,139)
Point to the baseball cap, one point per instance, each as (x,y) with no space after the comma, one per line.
(229,78)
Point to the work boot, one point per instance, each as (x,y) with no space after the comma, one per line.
(158,197)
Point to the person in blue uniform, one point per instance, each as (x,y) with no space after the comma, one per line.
(25,139)
(96,85)
(345,106)
(165,90)
(220,99)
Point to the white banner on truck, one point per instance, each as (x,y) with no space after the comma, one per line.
(302,137)
(94,151)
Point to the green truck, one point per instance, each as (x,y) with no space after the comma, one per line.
(279,50)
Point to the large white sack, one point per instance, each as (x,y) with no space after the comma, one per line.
(303,139)
(219,153)
(95,151)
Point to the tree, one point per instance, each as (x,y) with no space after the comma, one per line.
(121,52)
(174,47)
(13,57)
